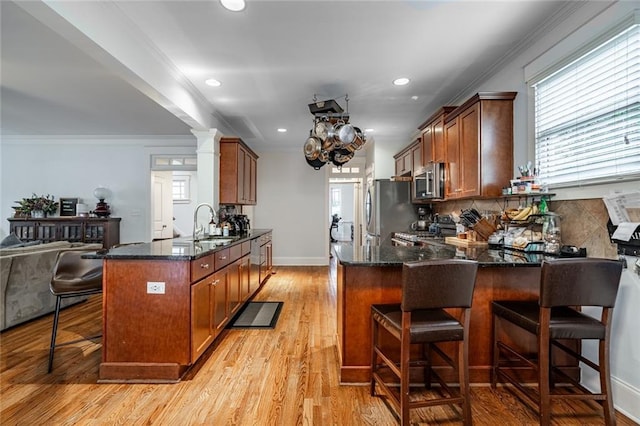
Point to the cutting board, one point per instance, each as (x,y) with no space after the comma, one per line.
(464,242)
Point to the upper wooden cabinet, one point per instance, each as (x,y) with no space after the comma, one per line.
(432,135)
(409,159)
(478,137)
(238,170)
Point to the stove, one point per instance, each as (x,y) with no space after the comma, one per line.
(413,238)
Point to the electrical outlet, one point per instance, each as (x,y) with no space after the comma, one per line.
(154,287)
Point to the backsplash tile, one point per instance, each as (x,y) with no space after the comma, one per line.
(584,222)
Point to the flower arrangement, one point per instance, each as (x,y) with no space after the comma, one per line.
(47,204)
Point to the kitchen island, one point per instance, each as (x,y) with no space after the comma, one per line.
(369,275)
(166,301)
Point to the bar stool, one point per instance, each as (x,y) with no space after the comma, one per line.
(428,287)
(565,286)
(73,276)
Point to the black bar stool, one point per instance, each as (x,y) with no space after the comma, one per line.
(428,287)
(566,285)
(73,276)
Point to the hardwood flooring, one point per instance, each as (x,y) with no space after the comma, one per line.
(282,376)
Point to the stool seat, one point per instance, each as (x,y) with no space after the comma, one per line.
(565,322)
(433,325)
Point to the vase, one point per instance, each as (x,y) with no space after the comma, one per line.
(37,214)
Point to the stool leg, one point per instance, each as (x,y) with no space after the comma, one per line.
(54,331)
(374,342)
(605,383)
(405,360)
(426,358)
(495,355)
(543,375)
(463,368)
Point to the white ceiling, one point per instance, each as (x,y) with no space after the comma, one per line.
(138,67)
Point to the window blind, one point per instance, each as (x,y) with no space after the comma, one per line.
(587,115)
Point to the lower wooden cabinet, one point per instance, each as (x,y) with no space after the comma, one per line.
(105,231)
(266,257)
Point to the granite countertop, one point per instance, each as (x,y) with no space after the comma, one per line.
(349,255)
(174,248)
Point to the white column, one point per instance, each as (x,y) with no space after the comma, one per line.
(208,157)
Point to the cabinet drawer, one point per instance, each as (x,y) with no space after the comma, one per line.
(202,267)
(222,258)
(245,248)
(235,252)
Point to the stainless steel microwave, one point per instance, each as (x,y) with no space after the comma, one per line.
(428,182)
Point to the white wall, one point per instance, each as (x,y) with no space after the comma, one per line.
(183,212)
(292,200)
(74,167)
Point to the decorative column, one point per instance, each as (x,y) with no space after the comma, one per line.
(208,158)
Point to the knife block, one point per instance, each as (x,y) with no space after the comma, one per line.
(484,229)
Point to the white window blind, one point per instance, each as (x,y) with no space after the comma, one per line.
(587,115)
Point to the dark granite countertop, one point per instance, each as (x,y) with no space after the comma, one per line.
(174,249)
(349,255)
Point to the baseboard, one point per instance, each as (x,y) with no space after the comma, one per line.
(625,399)
(301,261)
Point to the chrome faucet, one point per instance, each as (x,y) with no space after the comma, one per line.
(196,229)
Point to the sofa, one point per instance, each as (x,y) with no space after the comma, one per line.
(25,273)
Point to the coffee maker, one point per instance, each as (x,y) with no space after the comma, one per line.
(422,224)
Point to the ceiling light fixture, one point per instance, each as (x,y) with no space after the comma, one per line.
(414,97)
(401,81)
(233,5)
(213,82)
(282,130)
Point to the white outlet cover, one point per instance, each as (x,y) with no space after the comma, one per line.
(155,287)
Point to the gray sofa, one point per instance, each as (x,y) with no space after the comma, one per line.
(25,273)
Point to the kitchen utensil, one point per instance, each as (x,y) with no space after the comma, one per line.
(312,148)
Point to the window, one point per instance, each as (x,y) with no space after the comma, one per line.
(587,115)
(181,184)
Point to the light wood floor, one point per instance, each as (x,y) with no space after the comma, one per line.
(284,376)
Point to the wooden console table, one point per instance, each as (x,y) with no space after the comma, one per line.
(105,231)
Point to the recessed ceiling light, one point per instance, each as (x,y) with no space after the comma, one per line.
(282,130)
(213,82)
(401,81)
(414,97)
(233,5)
(368,130)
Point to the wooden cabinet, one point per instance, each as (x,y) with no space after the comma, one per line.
(478,138)
(432,136)
(155,337)
(105,231)
(238,172)
(409,159)
(266,257)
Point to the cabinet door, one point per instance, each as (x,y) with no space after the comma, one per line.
(242,154)
(235,295)
(253,180)
(245,277)
(452,180)
(416,157)
(220,286)
(437,138)
(399,166)
(469,142)
(202,332)
(427,145)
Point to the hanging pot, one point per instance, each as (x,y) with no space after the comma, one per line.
(338,158)
(312,148)
(325,132)
(316,164)
(346,133)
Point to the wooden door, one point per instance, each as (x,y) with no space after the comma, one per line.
(201,317)
(452,179)
(470,151)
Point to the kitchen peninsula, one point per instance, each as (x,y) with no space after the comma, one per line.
(166,301)
(369,275)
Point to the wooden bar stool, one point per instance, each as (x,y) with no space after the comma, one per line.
(428,287)
(565,286)
(72,276)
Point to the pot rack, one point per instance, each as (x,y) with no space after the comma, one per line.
(334,150)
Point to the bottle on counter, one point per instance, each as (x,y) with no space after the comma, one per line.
(225,229)
(212,226)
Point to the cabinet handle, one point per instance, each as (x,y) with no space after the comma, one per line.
(222,257)
(204,265)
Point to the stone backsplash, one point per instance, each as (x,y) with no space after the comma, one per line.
(584,222)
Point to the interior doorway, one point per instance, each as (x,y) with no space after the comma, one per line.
(346,203)
(174,187)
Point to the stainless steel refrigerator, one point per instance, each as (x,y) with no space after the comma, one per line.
(387,209)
